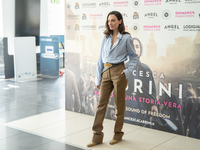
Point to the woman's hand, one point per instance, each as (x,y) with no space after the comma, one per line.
(122,72)
(98,87)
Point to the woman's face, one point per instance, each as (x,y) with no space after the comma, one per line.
(113,22)
(137,47)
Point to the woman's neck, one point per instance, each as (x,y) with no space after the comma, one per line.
(115,33)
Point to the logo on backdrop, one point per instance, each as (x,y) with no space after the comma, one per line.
(104,4)
(73,16)
(124,15)
(77,6)
(96,16)
(68,5)
(192,1)
(77,27)
(120,3)
(88,27)
(135,27)
(84,17)
(173,1)
(152,2)
(68,27)
(89,5)
(191,27)
(135,15)
(151,27)
(136,3)
(102,27)
(184,14)
(126,27)
(151,15)
(166,14)
(171,27)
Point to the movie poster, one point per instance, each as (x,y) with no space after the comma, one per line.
(163,91)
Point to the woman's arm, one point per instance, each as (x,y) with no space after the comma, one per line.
(133,57)
(99,66)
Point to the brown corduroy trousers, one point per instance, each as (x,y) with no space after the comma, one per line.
(111,79)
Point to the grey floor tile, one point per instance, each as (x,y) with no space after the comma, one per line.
(6,132)
(27,111)
(23,141)
(9,105)
(56,146)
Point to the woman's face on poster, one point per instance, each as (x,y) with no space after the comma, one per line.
(137,47)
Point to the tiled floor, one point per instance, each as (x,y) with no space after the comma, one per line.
(32,116)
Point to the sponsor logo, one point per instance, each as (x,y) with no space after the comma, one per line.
(124,15)
(102,27)
(84,17)
(73,16)
(135,15)
(126,27)
(89,5)
(151,15)
(135,27)
(171,27)
(77,27)
(68,27)
(151,27)
(88,27)
(184,14)
(166,14)
(192,1)
(68,5)
(96,16)
(52,56)
(136,3)
(77,6)
(191,27)
(120,4)
(104,4)
(173,1)
(152,2)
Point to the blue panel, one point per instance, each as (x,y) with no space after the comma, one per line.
(62,39)
(49,56)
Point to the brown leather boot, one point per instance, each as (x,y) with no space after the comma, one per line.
(91,144)
(114,142)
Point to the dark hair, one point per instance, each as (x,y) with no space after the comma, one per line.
(121,27)
(141,48)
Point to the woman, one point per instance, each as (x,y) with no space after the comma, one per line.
(112,75)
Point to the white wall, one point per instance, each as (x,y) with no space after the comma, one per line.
(56,20)
(8,10)
(1,20)
(43,17)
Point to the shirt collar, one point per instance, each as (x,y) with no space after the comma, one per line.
(119,35)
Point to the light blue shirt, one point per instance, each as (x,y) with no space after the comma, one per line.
(115,54)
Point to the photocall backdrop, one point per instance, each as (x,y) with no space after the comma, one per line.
(164,88)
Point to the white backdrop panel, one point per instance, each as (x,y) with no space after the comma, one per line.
(25,58)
